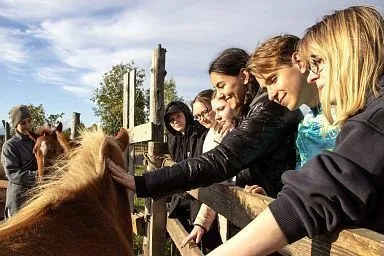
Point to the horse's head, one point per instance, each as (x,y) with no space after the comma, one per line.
(49,145)
(81,183)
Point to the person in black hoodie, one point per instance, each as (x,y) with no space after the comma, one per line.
(185,140)
(333,190)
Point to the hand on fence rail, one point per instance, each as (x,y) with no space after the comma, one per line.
(195,235)
(255,189)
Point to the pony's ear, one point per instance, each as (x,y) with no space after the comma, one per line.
(45,132)
(122,138)
(59,127)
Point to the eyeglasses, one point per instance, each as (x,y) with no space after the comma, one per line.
(316,65)
(203,114)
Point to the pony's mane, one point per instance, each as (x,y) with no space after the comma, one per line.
(81,169)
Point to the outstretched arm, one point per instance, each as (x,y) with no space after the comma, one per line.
(260,237)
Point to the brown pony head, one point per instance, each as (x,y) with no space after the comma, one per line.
(79,202)
(49,145)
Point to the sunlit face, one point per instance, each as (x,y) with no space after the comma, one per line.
(25,124)
(318,72)
(223,113)
(177,121)
(203,115)
(230,88)
(288,86)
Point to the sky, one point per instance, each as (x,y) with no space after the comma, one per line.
(55,53)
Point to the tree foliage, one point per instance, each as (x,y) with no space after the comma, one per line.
(37,114)
(40,118)
(109,98)
(53,119)
(170,91)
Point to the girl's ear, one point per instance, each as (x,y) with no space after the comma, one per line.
(298,62)
(244,73)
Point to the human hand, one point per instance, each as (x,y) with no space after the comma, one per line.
(224,128)
(255,189)
(195,235)
(120,175)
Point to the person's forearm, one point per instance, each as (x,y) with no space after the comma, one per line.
(260,237)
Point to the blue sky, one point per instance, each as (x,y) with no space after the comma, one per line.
(55,52)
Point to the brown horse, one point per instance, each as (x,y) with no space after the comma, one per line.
(49,145)
(80,210)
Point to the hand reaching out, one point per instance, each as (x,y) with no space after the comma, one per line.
(120,175)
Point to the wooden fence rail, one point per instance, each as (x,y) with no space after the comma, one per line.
(240,208)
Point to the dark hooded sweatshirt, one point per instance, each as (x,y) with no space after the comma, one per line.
(182,147)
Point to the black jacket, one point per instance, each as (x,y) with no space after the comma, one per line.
(20,167)
(183,146)
(190,144)
(264,142)
(339,188)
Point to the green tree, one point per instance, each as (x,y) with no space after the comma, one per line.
(37,114)
(39,117)
(109,98)
(170,91)
(53,119)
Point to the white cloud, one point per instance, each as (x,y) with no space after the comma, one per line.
(55,74)
(86,38)
(78,91)
(37,10)
(17,80)
(12,49)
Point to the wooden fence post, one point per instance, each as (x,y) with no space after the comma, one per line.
(157,226)
(75,125)
(7,130)
(129,91)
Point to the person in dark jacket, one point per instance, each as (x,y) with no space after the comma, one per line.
(334,190)
(186,136)
(263,142)
(19,162)
(185,140)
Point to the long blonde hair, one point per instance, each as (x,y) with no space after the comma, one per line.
(351,44)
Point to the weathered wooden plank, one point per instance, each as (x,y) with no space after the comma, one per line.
(158,220)
(3,196)
(143,132)
(3,191)
(130,151)
(138,223)
(3,183)
(178,233)
(75,125)
(233,202)
(157,225)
